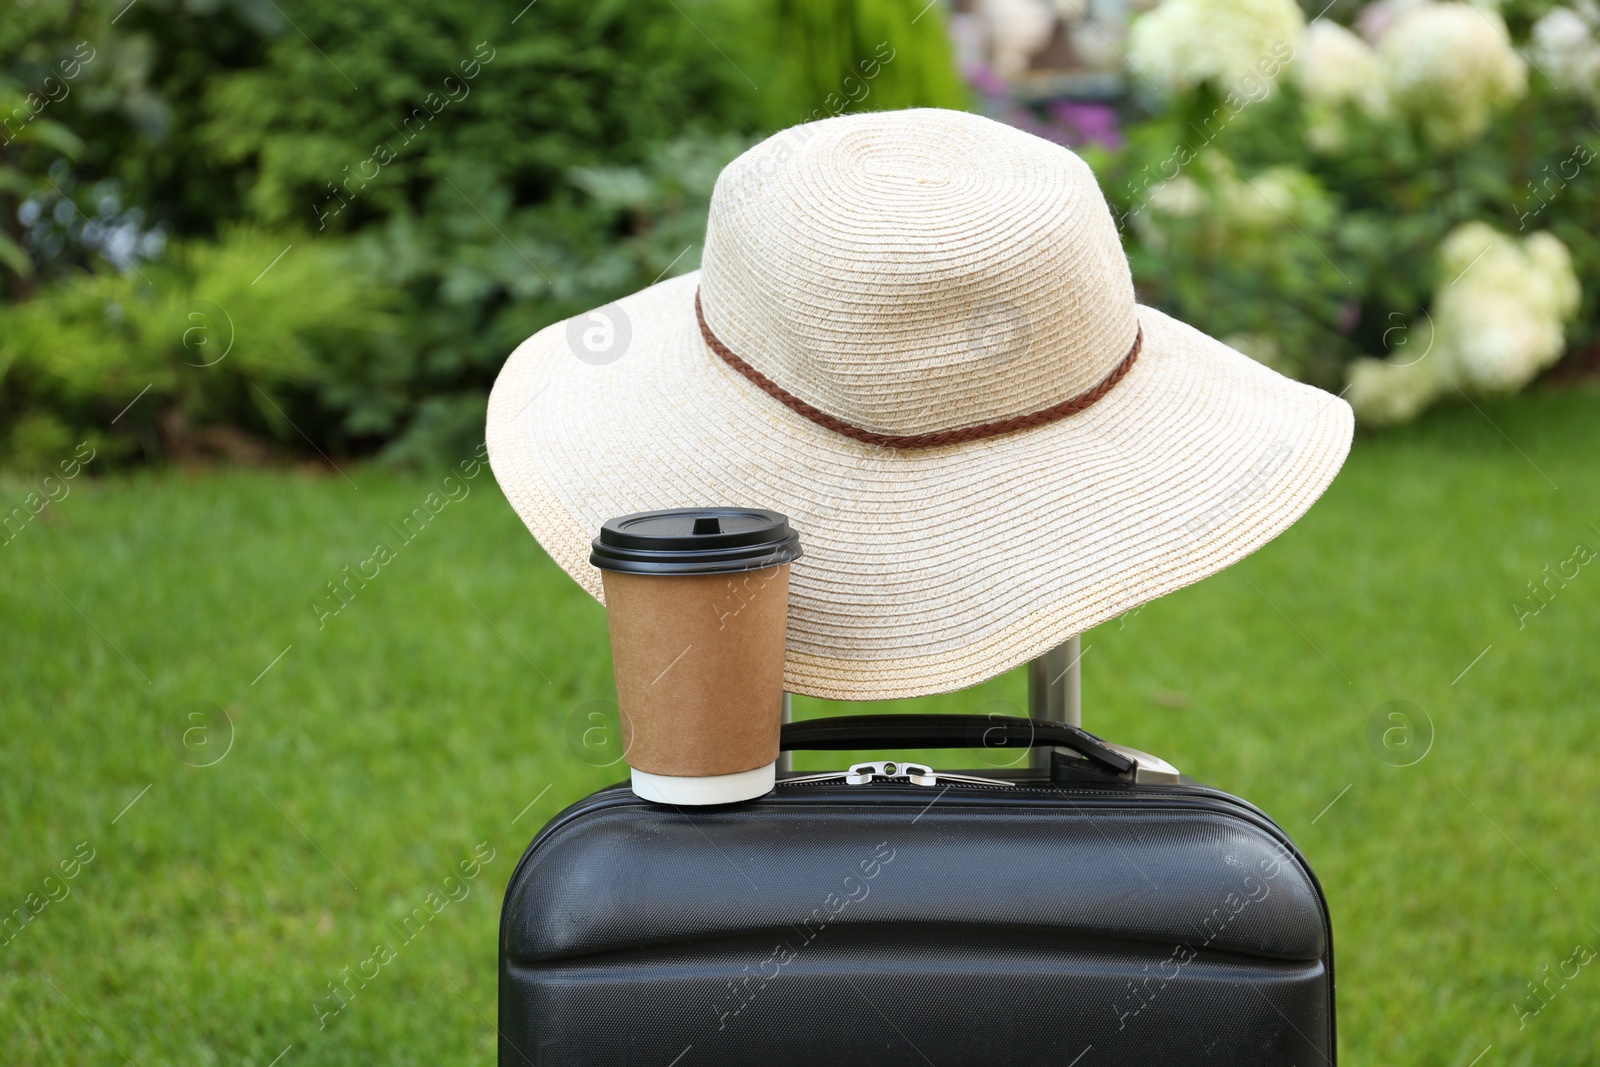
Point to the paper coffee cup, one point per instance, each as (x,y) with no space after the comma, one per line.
(697,602)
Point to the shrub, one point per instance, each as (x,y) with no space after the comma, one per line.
(488,168)
(218,334)
(1495,324)
(1311,207)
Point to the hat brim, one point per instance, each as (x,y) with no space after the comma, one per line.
(925,570)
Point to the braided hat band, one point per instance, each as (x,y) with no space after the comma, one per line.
(1070,406)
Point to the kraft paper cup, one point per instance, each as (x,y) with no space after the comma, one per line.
(697,602)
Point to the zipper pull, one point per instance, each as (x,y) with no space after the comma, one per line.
(892,770)
(915,773)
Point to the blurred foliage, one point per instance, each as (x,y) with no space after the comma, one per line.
(188,356)
(488,169)
(876,54)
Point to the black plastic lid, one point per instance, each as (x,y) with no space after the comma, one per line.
(695,541)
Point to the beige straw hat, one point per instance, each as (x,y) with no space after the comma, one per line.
(915,334)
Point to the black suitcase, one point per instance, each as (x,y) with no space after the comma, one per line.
(1079,916)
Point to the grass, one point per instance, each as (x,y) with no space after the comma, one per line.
(433,716)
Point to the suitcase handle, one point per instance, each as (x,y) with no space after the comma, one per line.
(844,732)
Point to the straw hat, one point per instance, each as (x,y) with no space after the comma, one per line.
(915,334)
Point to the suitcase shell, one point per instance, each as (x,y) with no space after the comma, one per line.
(1087,923)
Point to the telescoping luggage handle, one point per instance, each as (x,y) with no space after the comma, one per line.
(845,732)
(1054,693)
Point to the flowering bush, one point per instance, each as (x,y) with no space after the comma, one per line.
(1392,207)
(1211,233)
(1496,323)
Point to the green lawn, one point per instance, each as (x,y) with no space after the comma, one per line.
(431,717)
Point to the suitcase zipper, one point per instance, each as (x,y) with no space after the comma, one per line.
(891,770)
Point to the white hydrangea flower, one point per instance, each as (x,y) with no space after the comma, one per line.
(1497,320)
(1384,393)
(1268,198)
(1450,66)
(1240,46)
(1374,20)
(1274,198)
(1550,258)
(1500,315)
(1179,198)
(1334,70)
(1335,66)
(1231,204)
(1564,47)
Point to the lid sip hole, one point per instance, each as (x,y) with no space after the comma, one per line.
(707,525)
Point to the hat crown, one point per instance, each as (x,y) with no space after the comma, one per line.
(919,271)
